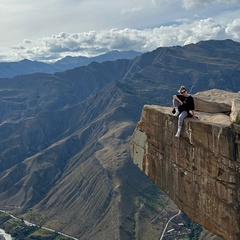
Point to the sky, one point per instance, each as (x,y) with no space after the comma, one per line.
(49,30)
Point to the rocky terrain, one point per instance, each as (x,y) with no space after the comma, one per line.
(65,139)
(199,170)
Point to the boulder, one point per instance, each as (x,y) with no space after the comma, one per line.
(215,101)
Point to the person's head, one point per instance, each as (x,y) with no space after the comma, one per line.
(182,90)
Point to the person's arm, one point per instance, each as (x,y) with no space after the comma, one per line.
(176,97)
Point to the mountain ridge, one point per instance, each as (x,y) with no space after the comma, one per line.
(65,147)
(26,66)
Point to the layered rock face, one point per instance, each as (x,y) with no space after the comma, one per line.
(200,171)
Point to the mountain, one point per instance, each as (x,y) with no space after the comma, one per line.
(72,62)
(65,139)
(11,69)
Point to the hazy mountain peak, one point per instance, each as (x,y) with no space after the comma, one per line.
(11,69)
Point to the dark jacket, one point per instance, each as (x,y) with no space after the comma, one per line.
(188,104)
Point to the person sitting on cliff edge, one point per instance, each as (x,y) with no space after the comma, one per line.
(183,107)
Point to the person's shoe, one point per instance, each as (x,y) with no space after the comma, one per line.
(176,114)
(178,134)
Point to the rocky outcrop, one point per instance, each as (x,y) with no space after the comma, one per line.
(219,101)
(200,171)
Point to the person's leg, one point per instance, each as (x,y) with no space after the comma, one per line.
(181,117)
(176,105)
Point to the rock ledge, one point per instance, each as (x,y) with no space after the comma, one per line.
(200,171)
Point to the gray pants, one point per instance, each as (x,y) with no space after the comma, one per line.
(182,115)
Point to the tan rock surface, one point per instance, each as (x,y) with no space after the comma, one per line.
(215,100)
(235,111)
(200,171)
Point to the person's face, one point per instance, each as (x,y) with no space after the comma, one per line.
(183,92)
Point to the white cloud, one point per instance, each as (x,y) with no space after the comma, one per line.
(131,10)
(190,4)
(233,29)
(55,28)
(94,43)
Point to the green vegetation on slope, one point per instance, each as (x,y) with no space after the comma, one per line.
(19,230)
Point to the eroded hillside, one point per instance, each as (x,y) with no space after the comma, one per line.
(65,139)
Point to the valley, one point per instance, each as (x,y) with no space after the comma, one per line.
(65,140)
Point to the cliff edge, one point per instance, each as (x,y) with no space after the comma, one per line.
(200,171)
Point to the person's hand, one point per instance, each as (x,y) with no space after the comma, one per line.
(193,114)
(175,97)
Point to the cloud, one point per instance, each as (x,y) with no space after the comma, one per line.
(124,25)
(233,29)
(131,10)
(94,43)
(37,19)
(191,4)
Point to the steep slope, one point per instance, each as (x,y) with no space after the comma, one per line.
(84,183)
(65,140)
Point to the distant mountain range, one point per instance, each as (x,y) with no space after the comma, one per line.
(11,69)
(65,139)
